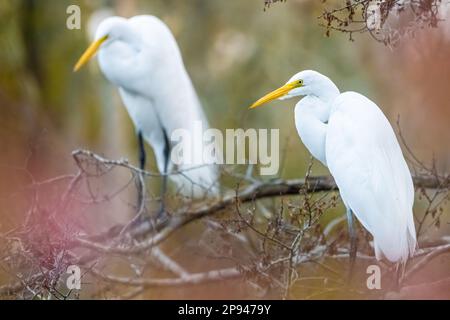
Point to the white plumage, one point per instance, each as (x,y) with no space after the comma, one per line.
(350,135)
(366,161)
(141,57)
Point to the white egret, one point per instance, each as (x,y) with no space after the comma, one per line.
(350,135)
(141,57)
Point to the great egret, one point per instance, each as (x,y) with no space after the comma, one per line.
(140,56)
(350,135)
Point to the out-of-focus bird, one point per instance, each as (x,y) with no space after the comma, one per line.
(350,135)
(141,57)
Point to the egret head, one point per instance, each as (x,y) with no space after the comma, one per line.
(111,29)
(304,83)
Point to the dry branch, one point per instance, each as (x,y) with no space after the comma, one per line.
(289,239)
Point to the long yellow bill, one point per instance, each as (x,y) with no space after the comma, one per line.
(89,53)
(280,92)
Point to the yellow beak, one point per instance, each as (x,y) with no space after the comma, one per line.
(89,53)
(280,92)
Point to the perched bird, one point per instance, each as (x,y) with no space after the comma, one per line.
(141,57)
(350,135)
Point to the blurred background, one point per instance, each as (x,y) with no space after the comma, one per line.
(234,51)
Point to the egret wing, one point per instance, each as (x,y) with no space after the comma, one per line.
(374,180)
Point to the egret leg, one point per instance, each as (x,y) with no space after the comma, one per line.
(353,244)
(140,208)
(142,161)
(399,272)
(162,208)
(142,155)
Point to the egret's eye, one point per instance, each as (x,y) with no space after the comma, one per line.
(300,82)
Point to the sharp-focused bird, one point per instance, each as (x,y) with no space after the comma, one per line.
(350,135)
(141,57)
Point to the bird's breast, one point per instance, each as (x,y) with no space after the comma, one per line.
(122,64)
(312,131)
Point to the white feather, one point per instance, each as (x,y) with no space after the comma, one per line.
(350,134)
(366,161)
(142,58)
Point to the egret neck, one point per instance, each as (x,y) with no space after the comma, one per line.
(312,114)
